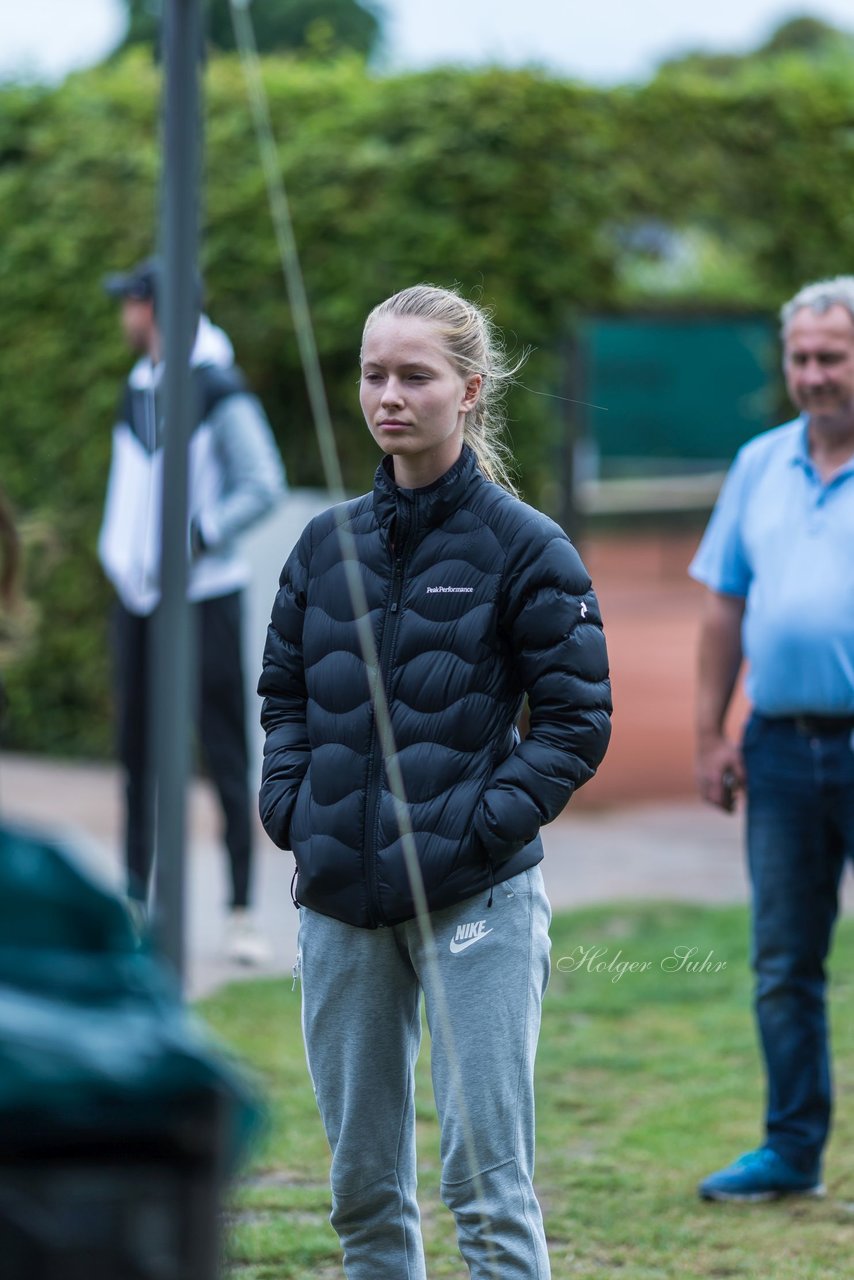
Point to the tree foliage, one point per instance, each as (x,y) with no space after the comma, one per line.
(528,192)
(317,27)
(806,35)
(801,38)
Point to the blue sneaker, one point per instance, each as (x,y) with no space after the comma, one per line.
(759,1175)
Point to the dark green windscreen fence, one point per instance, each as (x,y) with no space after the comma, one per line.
(679,394)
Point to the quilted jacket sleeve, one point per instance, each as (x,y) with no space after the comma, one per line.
(551,620)
(283,711)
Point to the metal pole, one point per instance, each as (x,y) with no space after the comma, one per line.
(177,303)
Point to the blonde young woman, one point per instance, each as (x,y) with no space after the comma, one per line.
(474,600)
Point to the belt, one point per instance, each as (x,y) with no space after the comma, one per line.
(819,726)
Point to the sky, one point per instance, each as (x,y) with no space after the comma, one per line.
(605,41)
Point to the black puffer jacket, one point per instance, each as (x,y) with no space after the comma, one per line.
(474,599)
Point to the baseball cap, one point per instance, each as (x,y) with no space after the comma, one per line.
(139,284)
(142,283)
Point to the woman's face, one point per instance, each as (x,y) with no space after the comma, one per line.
(413,398)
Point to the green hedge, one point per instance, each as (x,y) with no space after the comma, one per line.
(514,185)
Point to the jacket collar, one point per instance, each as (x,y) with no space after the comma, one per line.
(425,508)
(211,346)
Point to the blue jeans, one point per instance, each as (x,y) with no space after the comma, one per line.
(800,829)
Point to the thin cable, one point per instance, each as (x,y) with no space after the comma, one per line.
(289,256)
(551,395)
(286,242)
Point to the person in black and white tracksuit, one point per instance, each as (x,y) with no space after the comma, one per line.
(235,478)
(456,599)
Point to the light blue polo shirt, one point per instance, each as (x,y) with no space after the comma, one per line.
(784,540)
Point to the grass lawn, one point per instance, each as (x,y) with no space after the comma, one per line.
(646,1082)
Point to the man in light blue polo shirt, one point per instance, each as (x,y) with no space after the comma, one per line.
(778,560)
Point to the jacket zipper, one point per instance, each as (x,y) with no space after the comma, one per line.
(375,766)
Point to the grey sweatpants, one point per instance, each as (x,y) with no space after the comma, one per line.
(361,992)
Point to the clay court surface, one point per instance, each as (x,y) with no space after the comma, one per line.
(651,610)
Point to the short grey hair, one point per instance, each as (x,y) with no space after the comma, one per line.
(820,297)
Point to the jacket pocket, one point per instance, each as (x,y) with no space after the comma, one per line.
(495,848)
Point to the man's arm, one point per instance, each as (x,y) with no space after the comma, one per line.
(720,769)
(254,475)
